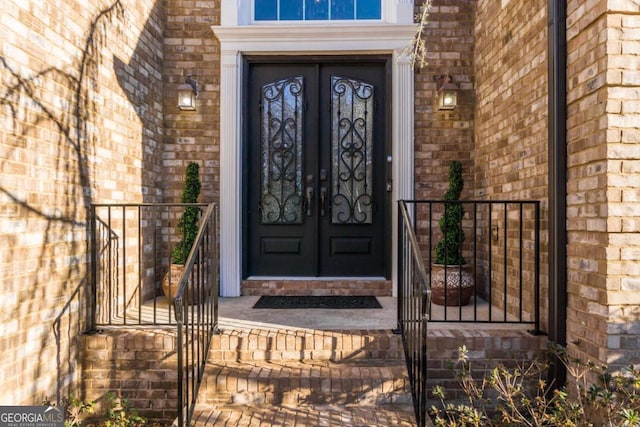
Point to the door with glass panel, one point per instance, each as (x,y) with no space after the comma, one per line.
(316,170)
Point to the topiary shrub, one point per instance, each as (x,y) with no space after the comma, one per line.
(188,222)
(449,249)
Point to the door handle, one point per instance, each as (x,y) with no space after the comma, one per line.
(309,200)
(323,198)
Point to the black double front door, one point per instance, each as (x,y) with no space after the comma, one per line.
(316,171)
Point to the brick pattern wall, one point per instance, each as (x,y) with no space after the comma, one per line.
(138,365)
(604,278)
(587,180)
(317,287)
(191,49)
(487,348)
(441,137)
(80,122)
(623,193)
(510,151)
(444,136)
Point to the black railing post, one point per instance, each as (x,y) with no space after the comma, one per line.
(399,273)
(423,356)
(215,282)
(536,330)
(124,264)
(93,297)
(179,313)
(505,258)
(110,264)
(141,266)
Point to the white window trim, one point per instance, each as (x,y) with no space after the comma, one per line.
(344,39)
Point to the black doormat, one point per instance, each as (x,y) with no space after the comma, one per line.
(332,302)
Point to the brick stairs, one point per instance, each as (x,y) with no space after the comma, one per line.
(305,377)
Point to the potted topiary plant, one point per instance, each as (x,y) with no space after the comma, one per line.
(187,227)
(448,274)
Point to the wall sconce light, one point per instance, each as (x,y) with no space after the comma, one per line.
(187,94)
(447,92)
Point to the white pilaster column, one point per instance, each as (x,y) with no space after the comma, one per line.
(403,144)
(230,177)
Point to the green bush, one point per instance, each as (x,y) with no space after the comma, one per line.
(521,396)
(117,412)
(188,222)
(449,249)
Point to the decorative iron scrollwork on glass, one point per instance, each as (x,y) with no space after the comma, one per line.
(281,138)
(351,151)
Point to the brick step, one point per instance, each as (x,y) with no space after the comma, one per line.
(305,377)
(304,344)
(295,383)
(376,287)
(304,416)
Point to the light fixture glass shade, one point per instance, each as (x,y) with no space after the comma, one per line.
(447,92)
(187,94)
(186,98)
(448,99)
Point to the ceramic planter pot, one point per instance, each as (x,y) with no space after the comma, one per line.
(170,285)
(458,288)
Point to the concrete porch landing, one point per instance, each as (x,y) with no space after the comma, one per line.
(238,313)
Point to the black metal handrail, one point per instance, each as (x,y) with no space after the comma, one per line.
(414,295)
(196,310)
(502,250)
(132,246)
(130,258)
(501,245)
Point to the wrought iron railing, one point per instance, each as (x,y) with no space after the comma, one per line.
(500,241)
(196,308)
(133,284)
(501,246)
(414,296)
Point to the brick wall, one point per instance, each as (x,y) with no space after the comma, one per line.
(510,151)
(587,180)
(138,365)
(623,193)
(444,136)
(487,348)
(191,49)
(603,187)
(80,122)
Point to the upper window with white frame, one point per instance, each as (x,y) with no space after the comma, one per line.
(317,10)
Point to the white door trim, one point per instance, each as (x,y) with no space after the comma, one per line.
(342,39)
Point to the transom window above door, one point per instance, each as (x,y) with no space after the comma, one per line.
(317,10)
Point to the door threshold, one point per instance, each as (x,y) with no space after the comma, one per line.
(347,286)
